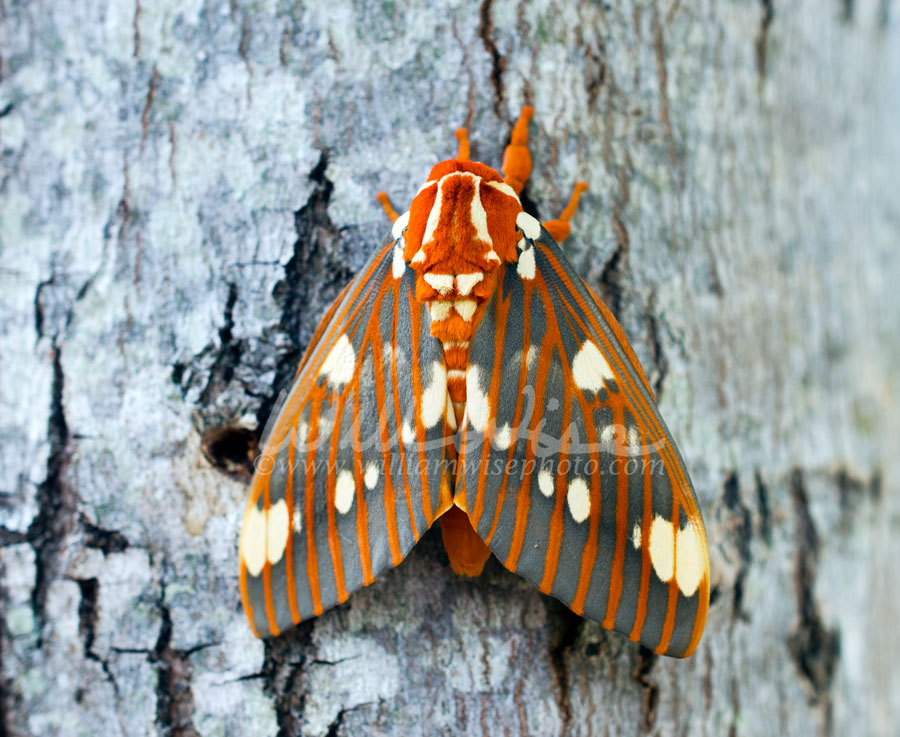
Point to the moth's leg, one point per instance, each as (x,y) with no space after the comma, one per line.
(516,158)
(388,207)
(462,152)
(559,229)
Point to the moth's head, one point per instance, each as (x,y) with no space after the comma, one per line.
(462,221)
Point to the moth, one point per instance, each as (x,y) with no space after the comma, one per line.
(468,375)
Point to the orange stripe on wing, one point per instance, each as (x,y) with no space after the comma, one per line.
(289,547)
(334,540)
(362,510)
(640,615)
(389,496)
(672,604)
(496,372)
(616,578)
(517,420)
(415,320)
(312,570)
(554,541)
(267,567)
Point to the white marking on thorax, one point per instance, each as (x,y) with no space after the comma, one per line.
(400,225)
(442,283)
(528,225)
(465,283)
(526,268)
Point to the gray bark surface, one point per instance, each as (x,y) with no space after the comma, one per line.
(184,188)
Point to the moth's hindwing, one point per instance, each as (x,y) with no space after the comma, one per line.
(355,468)
(568,471)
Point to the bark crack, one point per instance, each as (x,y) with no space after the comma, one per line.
(741,531)
(174,697)
(762,39)
(498,61)
(646,659)
(815,648)
(567,628)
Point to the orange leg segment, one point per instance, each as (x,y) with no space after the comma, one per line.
(559,229)
(462,153)
(388,207)
(516,166)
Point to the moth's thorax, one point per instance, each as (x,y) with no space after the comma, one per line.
(461,231)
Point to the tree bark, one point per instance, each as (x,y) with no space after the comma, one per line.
(186,187)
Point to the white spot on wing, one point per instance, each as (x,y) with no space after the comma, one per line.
(253,541)
(434,397)
(340,362)
(636,536)
(502,437)
(407,433)
(344,491)
(450,414)
(477,407)
(466,308)
(526,267)
(590,369)
(662,548)
(400,225)
(690,562)
(372,476)
(398,265)
(528,225)
(545,482)
(466,282)
(276,531)
(442,283)
(579,500)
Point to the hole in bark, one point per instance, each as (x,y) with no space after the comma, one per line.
(231,449)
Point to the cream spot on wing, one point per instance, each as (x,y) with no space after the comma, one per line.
(590,369)
(450,414)
(502,437)
(690,562)
(253,541)
(662,548)
(398,265)
(302,434)
(387,351)
(477,407)
(372,475)
(340,362)
(466,308)
(466,282)
(276,531)
(434,397)
(579,500)
(505,188)
(344,491)
(608,438)
(442,283)
(545,482)
(400,225)
(440,310)
(636,536)
(531,356)
(407,433)
(418,257)
(633,437)
(528,225)
(525,268)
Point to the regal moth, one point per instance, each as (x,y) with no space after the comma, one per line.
(468,375)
